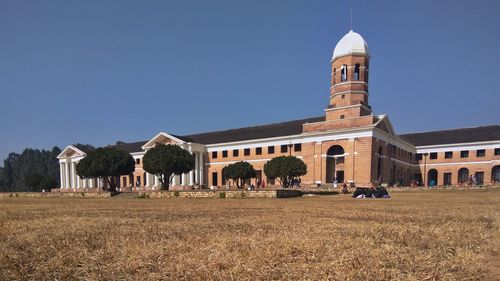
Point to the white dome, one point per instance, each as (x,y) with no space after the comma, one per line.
(351,43)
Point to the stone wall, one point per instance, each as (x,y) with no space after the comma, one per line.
(279,193)
(55,194)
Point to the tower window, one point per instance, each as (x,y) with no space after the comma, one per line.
(343,73)
(356,72)
(343,96)
(334,76)
(342,116)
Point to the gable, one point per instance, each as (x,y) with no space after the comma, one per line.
(162,138)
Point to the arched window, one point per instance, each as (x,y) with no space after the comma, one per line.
(356,72)
(343,73)
(334,76)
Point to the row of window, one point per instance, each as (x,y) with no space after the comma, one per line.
(258,150)
(463,154)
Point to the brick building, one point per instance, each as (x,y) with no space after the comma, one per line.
(348,143)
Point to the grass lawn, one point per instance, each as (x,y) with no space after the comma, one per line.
(415,235)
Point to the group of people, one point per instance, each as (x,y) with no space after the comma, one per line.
(371,192)
(258,184)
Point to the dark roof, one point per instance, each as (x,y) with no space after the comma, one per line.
(255,132)
(463,135)
(451,136)
(130,146)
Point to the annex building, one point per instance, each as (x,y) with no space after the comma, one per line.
(347,144)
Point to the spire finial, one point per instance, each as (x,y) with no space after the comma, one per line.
(350,3)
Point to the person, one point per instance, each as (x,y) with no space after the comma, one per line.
(359,193)
(344,188)
(470,180)
(263,183)
(299,181)
(258,183)
(335,182)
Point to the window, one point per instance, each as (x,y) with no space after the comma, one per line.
(464,154)
(334,76)
(418,156)
(214,154)
(480,153)
(297,147)
(246,151)
(138,161)
(342,116)
(497,151)
(356,72)
(284,148)
(224,154)
(448,154)
(258,150)
(433,155)
(343,73)
(270,150)
(342,96)
(236,153)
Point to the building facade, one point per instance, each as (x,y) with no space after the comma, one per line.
(348,144)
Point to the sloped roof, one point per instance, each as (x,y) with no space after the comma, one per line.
(294,127)
(255,132)
(452,136)
(130,146)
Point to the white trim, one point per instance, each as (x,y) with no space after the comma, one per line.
(249,161)
(292,139)
(335,156)
(458,146)
(62,154)
(162,134)
(393,139)
(458,163)
(349,82)
(348,106)
(349,92)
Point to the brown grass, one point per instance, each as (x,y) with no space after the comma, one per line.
(438,235)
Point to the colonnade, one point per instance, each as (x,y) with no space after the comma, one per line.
(70,180)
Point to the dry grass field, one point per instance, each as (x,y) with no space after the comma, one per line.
(425,235)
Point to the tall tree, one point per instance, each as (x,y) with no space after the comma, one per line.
(107,164)
(239,172)
(285,168)
(166,161)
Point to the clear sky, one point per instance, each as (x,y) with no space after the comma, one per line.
(101,71)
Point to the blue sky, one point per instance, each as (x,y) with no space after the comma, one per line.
(101,71)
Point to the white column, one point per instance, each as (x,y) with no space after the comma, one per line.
(174,180)
(196,169)
(91,183)
(157,181)
(73,174)
(78,179)
(61,176)
(202,167)
(67,181)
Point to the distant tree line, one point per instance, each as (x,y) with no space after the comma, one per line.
(32,170)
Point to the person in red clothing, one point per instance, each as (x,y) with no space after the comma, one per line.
(263,183)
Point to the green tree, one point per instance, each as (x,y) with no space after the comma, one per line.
(239,172)
(33,180)
(107,164)
(166,161)
(285,168)
(47,183)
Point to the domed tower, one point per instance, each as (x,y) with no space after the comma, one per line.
(349,81)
